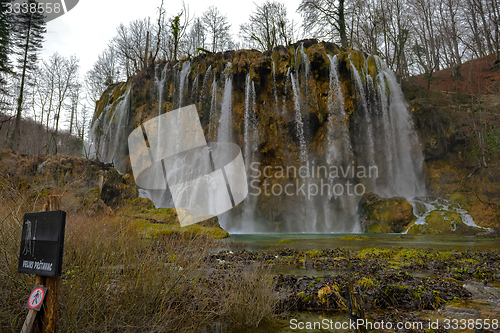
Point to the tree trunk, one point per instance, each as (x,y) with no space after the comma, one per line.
(14,144)
(146,51)
(342,27)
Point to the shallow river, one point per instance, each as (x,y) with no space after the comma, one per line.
(325,241)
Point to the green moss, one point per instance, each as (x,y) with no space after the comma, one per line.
(367,283)
(372,67)
(157,230)
(313,254)
(382,215)
(358,60)
(354,238)
(374,253)
(412,254)
(285,241)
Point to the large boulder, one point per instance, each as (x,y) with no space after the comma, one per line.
(439,222)
(384,215)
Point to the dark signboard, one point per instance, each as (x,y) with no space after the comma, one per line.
(42,243)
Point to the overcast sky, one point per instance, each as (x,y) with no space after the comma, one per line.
(87,28)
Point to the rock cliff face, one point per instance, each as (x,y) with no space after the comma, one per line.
(318,127)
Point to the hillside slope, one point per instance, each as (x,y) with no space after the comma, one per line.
(459,130)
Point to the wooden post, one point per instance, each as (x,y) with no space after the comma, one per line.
(45,322)
(354,307)
(28,323)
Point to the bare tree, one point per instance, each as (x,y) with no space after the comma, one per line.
(427,43)
(217,27)
(130,44)
(61,75)
(74,101)
(367,26)
(450,30)
(268,26)
(325,19)
(42,94)
(103,73)
(196,38)
(494,17)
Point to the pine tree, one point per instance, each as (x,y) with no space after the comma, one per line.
(27,36)
(5,49)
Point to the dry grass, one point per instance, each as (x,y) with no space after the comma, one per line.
(115,281)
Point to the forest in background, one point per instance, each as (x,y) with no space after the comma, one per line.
(412,36)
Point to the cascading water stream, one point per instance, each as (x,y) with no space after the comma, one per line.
(226,117)
(285,90)
(195,88)
(370,147)
(275,89)
(186,68)
(213,109)
(246,133)
(159,87)
(406,155)
(388,143)
(339,153)
(204,86)
(250,135)
(108,145)
(298,121)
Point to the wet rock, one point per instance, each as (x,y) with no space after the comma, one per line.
(117,188)
(381,215)
(443,222)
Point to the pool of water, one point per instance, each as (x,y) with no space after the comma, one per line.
(331,241)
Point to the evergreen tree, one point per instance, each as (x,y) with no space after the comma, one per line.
(27,36)
(4,43)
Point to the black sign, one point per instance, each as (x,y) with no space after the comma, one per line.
(42,243)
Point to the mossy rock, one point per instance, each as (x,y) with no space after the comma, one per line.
(372,67)
(152,223)
(440,222)
(381,215)
(148,230)
(116,189)
(358,60)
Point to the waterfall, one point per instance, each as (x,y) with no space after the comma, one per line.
(370,149)
(305,61)
(285,91)
(338,135)
(407,160)
(250,139)
(213,109)
(204,86)
(275,89)
(195,88)
(248,106)
(340,211)
(106,132)
(387,140)
(309,127)
(298,121)
(160,83)
(186,68)
(225,128)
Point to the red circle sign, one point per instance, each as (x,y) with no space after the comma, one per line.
(36,298)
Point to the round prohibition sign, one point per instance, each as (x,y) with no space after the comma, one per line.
(36,298)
